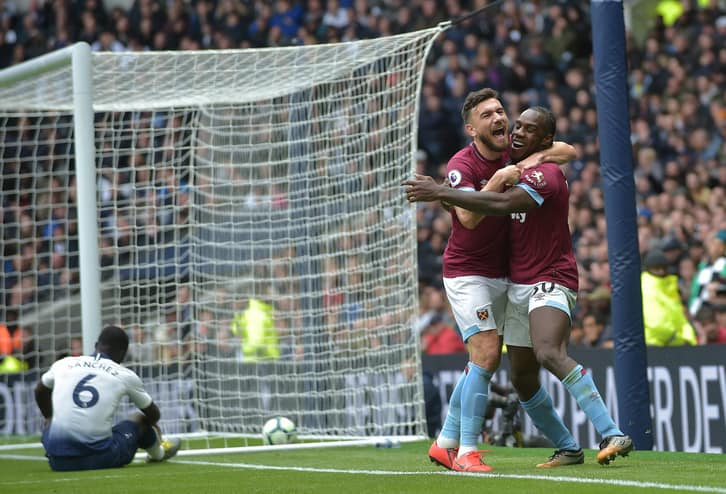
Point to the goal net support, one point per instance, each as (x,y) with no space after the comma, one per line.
(238,212)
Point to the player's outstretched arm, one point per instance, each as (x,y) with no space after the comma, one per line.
(43,397)
(560,153)
(503,178)
(424,189)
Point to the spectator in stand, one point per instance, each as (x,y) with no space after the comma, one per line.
(76,348)
(710,323)
(336,16)
(10,339)
(597,333)
(577,333)
(721,322)
(664,316)
(709,283)
(672,248)
(439,338)
(16,347)
(287,18)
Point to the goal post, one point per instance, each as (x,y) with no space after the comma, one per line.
(78,59)
(239,213)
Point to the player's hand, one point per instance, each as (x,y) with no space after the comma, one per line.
(530,161)
(444,204)
(509,175)
(422,189)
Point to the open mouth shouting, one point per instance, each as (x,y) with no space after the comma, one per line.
(499,133)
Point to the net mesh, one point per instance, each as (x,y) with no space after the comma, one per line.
(253,238)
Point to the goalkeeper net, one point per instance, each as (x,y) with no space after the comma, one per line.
(253,238)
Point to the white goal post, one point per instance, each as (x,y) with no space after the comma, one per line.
(239,213)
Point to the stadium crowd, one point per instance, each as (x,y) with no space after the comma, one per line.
(532,53)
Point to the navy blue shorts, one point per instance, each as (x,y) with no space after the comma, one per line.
(125,440)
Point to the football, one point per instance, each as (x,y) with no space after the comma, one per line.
(279,430)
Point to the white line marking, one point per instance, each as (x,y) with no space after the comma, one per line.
(22,457)
(249,466)
(574,480)
(10,447)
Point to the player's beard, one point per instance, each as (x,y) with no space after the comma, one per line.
(494,144)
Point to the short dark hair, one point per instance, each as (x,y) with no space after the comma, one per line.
(654,259)
(113,339)
(706,313)
(598,316)
(476,97)
(548,119)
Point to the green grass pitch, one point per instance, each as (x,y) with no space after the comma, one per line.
(366,469)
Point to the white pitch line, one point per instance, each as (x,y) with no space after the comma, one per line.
(249,466)
(574,480)
(10,447)
(23,457)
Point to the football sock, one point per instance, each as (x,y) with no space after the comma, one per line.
(542,412)
(449,435)
(156,451)
(581,386)
(474,397)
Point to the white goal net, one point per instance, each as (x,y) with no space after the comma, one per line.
(252,234)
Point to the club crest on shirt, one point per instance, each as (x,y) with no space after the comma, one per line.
(536,178)
(482,314)
(454,177)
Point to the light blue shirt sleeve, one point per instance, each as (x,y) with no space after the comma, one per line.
(532,193)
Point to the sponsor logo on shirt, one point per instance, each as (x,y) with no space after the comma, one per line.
(518,217)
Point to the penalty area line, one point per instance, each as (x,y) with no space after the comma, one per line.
(572,480)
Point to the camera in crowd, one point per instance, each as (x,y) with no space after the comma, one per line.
(505,429)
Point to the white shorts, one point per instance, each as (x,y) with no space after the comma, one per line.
(523,299)
(477,303)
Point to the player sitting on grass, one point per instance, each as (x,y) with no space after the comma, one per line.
(79,397)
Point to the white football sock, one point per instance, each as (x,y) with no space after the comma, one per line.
(156,452)
(447,442)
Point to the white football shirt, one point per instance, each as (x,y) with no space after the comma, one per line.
(87,391)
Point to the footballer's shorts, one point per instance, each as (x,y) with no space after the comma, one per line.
(523,299)
(126,438)
(477,303)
